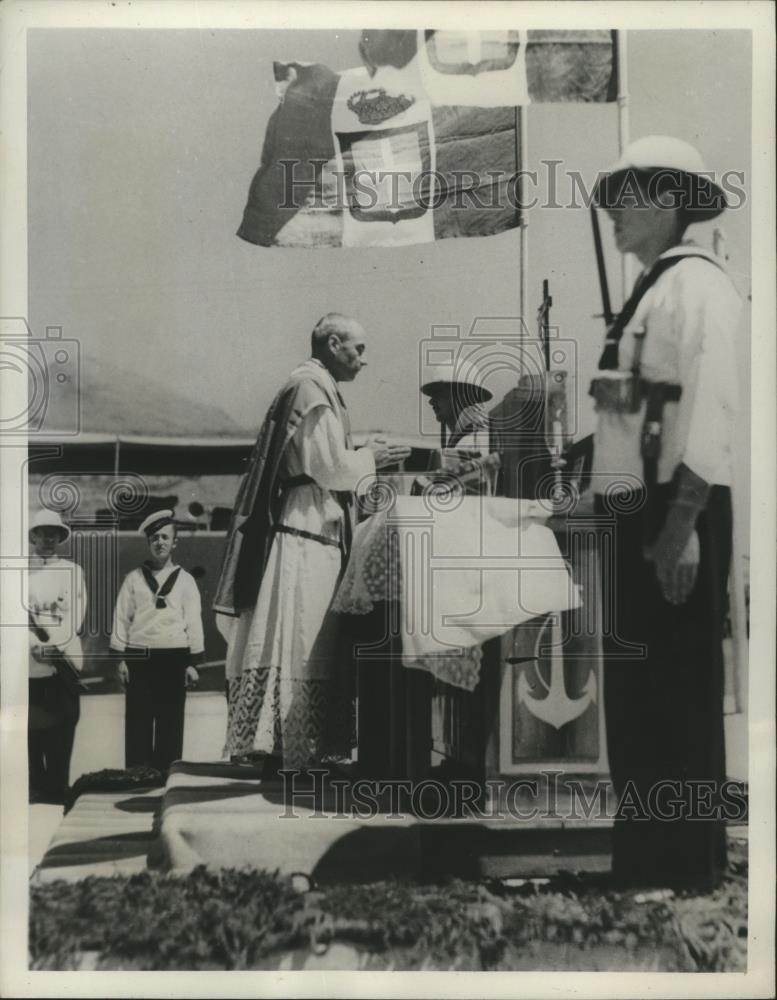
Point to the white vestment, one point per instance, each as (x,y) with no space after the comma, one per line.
(284,695)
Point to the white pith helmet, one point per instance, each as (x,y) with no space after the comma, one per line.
(678,162)
(50,519)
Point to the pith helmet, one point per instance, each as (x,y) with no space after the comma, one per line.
(676,164)
(50,519)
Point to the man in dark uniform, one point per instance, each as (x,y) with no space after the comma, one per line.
(666,401)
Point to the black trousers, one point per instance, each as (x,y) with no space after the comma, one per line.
(664,709)
(154,708)
(54,710)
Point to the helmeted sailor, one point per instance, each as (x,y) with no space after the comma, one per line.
(157,627)
(666,397)
(57,605)
(287,541)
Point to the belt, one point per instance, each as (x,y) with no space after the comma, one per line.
(134,651)
(285,529)
(672,393)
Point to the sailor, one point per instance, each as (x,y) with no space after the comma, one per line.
(57,605)
(666,397)
(157,627)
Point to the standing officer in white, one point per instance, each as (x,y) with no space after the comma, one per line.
(666,401)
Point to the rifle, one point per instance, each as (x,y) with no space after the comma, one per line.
(607,312)
(64,666)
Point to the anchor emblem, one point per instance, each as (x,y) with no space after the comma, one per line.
(556,708)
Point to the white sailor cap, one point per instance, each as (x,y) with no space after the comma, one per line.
(159,519)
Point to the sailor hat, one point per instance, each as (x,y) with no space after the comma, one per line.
(50,519)
(159,519)
(680,168)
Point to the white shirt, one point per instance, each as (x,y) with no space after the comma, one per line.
(138,622)
(57,601)
(691,316)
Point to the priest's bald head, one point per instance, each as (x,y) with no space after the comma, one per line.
(338,342)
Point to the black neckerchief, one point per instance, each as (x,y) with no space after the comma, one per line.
(609,358)
(164,590)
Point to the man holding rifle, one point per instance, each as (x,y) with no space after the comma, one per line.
(56,608)
(666,400)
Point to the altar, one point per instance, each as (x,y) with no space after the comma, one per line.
(473,627)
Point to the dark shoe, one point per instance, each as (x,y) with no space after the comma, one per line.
(342,770)
(272,764)
(247,759)
(46,799)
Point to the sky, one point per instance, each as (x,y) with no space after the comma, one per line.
(141,147)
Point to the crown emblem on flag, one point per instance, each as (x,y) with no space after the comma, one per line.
(372,107)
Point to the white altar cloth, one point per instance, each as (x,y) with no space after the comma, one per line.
(463,570)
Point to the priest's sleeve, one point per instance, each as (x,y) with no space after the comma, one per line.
(326,458)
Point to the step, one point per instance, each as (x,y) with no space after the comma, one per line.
(106,833)
(222,815)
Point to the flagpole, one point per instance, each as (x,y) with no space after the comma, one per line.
(521,147)
(621,49)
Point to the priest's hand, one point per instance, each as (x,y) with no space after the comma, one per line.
(192,677)
(386,454)
(123,674)
(676,555)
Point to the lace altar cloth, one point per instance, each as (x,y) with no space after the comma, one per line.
(463,570)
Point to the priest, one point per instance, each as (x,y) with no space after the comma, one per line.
(288,539)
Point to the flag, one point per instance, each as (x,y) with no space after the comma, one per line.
(568,66)
(419,143)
